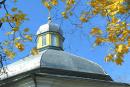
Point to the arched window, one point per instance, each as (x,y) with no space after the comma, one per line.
(44,40)
(53,40)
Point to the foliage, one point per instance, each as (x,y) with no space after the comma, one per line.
(117,28)
(14,17)
(117,31)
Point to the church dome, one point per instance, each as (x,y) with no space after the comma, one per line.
(50,36)
(53,60)
(49,27)
(66,61)
(57,60)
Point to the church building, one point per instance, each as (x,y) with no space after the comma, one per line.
(53,67)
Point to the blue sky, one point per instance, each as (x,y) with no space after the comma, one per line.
(77,41)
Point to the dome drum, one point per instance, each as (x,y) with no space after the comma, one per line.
(51,40)
(52,32)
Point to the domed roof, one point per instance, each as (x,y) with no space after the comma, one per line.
(54,59)
(50,26)
(62,60)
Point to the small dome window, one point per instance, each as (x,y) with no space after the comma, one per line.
(53,40)
(61,43)
(49,36)
(44,40)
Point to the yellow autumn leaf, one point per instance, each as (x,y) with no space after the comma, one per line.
(54,2)
(64,14)
(28,37)
(128,41)
(99,40)
(14,9)
(47,5)
(15,29)
(70,2)
(119,61)
(26,29)
(9,33)
(115,20)
(109,57)
(95,12)
(123,9)
(122,39)
(112,38)
(83,19)
(16,39)
(120,55)
(19,46)
(9,53)
(8,15)
(68,7)
(121,48)
(96,31)
(3,19)
(93,3)
(34,51)
(125,33)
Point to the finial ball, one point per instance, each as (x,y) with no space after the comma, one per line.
(49,18)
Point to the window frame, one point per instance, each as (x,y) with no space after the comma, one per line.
(44,42)
(53,39)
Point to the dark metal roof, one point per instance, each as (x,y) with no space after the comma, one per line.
(54,59)
(62,60)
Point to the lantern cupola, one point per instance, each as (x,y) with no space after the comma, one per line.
(49,36)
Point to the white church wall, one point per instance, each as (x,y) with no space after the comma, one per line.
(45,81)
(65,82)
